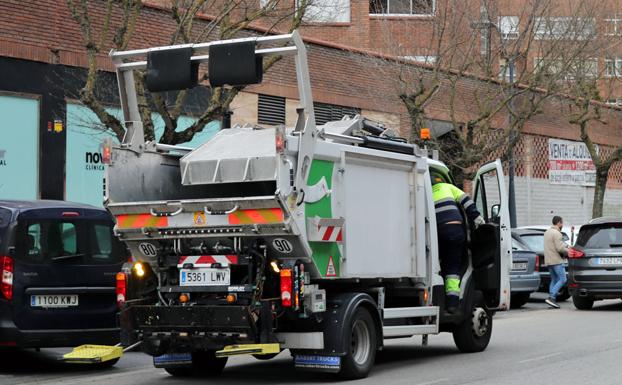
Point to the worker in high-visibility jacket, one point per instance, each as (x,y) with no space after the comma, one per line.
(452,234)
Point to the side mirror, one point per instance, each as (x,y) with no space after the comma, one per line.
(494,212)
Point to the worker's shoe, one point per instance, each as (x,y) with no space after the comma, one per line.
(452,303)
(551,302)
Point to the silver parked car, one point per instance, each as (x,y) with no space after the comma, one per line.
(524,276)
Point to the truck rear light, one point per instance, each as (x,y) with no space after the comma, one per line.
(7,278)
(574,253)
(106,151)
(121,288)
(286,287)
(279,140)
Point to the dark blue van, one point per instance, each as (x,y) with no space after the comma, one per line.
(58,262)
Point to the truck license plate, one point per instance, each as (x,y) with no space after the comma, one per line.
(519,266)
(53,300)
(205,276)
(608,261)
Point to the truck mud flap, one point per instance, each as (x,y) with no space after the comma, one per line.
(213,320)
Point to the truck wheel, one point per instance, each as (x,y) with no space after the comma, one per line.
(518,300)
(361,339)
(473,334)
(582,303)
(204,363)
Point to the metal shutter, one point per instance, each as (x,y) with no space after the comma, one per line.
(271,110)
(329,112)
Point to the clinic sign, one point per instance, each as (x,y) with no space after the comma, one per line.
(570,163)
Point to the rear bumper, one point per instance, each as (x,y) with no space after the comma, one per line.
(524,283)
(176,329)
(598,290)
(12,336)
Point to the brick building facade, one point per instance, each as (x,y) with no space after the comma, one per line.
(42,38)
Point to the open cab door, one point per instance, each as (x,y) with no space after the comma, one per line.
(491,246)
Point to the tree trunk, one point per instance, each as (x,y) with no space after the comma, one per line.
(602,174)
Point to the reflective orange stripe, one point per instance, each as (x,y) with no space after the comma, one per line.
(136,221)
(251,216)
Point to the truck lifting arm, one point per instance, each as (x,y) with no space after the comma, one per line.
(126,62)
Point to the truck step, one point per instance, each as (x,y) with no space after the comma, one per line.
(408,330)
(410,312)
(238,350)
(429,326)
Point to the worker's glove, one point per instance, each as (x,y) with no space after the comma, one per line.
(479,221)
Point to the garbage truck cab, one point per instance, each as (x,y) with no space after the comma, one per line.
(317,239)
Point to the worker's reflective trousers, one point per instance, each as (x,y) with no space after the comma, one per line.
(451,242)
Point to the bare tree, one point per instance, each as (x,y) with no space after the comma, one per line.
(229,18)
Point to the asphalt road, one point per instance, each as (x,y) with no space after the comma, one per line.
(533,345)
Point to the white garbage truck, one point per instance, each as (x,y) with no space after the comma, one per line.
(317,239)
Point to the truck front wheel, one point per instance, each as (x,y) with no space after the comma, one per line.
(473,334)
(361,342)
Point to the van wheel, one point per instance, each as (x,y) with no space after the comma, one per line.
(518,300)
(473,334)
(582,303)
(361,341)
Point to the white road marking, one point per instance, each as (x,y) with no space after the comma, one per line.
(540,357)
(433,382)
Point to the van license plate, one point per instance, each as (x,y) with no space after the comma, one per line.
(53,300)
(608,261)
(204,276)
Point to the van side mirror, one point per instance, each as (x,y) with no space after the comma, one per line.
(494,212)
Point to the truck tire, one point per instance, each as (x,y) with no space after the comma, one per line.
(204,363)
(518,300)
(361,340)
(473,334)
(582,303)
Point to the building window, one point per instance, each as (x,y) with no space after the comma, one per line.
(569,28)
(613,26)
(614,101)
(402,7)
(330,112)
(271,110)
(327,11)
(508,27)
(613,67)
(507,71)
(587,68)
(427,59)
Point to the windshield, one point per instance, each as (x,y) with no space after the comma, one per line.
(601,237)
(70,241)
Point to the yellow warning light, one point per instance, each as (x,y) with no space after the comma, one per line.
(426,296)
(183,298)
(275,267)
(231,298)
(139,269)
(425,134)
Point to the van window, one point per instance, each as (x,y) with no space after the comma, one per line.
(50,239)
(600,237)
(5,221)
(74,242)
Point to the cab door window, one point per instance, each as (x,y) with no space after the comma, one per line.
(488,196)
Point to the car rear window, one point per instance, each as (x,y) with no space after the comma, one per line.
(69,241)
(535,242)
(600,237)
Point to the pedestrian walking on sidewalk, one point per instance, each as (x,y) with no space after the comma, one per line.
(554,252)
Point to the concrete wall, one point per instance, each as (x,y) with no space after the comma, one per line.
(537,201)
